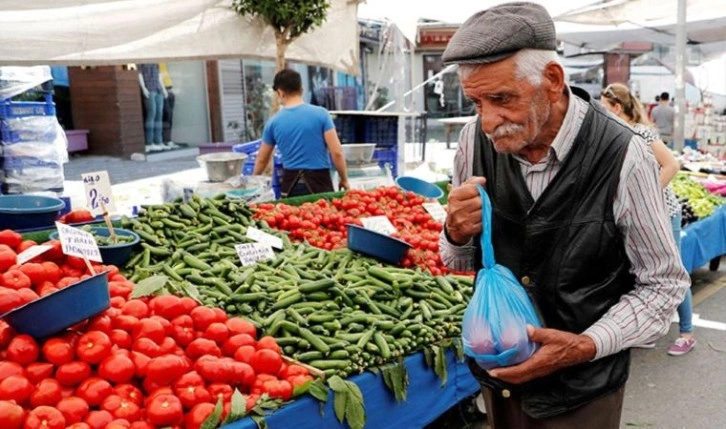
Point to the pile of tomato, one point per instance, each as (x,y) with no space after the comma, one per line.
(323,223)
(163,361)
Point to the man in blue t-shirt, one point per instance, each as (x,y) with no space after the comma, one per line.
(306,137)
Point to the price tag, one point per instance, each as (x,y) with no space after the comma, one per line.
(379,224)
(32,252)
(76,242)
(264,238)
(252,253)
(436,210)
(98,189)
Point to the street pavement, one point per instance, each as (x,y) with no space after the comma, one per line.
(663,392)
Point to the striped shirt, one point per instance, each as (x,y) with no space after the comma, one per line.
(661,281)
(673,207)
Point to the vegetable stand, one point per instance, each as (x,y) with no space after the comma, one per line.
(704,240)
(427,399)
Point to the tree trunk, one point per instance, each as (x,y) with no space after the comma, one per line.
(281,43)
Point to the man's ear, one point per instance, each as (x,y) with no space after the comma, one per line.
(554,80)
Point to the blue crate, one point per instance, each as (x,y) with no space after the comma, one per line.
(346,127)
(381,131)
(10,109)
(25,162)
(249,148)
(387,156)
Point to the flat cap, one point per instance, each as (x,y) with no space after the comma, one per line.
(500,32)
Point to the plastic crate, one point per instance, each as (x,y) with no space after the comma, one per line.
(9,109)
(346,127)
(250,148)
(381,131)
(387,156)
(28,129)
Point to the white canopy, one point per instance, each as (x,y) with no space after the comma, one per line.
(88,32)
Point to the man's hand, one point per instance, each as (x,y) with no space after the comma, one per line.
(344,185)
(146,92)
(463,219)
(558,349)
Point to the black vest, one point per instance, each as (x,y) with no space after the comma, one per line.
(566,249)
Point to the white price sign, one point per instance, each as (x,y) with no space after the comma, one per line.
(76,242)
(436,210)
(378,224)
(98,190)
(32,252)
(264,238)
(252,253)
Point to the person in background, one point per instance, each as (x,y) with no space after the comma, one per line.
(154,94)
(663,115)
(651,106)
(619,101)
(577,216)
(167,117)
(307,140)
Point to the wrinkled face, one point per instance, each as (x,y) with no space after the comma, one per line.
(513,112)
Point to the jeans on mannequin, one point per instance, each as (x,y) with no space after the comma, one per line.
(153,122)
(685,309)
(168,115)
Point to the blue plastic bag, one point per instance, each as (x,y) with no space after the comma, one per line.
(494,329)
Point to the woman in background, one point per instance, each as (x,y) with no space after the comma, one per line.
(618,100)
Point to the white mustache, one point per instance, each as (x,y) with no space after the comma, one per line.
(507,129)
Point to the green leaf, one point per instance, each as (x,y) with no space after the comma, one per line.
(458,346)
(302,389)
(429,356)
(440,364)
(149,286)
(260,422)
(355,411)
(239,407)
(213,420)
(190,290)
(340,402)
(319,391)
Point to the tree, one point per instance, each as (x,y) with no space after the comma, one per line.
(289,19)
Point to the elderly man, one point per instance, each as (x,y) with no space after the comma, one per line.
(577,216)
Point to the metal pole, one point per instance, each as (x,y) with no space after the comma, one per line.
(678,129)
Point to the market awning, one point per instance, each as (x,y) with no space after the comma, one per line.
(94,32)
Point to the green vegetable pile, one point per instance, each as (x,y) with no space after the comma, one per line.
(106,240)
(701,201)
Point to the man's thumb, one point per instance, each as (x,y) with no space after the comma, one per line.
(477,180)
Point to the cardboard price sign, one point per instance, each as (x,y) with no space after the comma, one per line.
(264,238)
(252,253)
(378,224)
(97,187)
(436,210)
(32,252)
(76,242)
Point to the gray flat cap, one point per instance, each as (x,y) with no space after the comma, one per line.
(500,32)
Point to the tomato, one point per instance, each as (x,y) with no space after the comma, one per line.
(166,324)
(168,346)
(6,334)
(58,351)
(11,415)
(121,339)
(118,302)
(118,424)
(129,392)
(79,425)
(23,349)
(10,238)
(28,295)
(141,362)
(121,408)
(98,419)
(76,263)
(10,299)
(93,347)
(219,315)
(188,304)
(93,390)
(125,322)
(203,317)
(202,346)
(56,251)
(8,258)
(45,417)
(10,368)
(242,374)
(47,392)
(73,373)
(117,368)
(164,410)
(141,425)
(52,271)
(230,346)
(299,380)
(151,329)
(147,347)
(244,354)
(266,361)
(37,371)
(190,390)
(292,370)
(268,343)
(165,369)
(198,415)
(73,408)
(217,332)
(16,388)
(184,332)
(120,289)
(15,279)
(136,308)
(220,391)
(167,306)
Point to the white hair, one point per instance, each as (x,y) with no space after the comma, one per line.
(530,65)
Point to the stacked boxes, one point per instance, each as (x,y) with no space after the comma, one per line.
(251,149)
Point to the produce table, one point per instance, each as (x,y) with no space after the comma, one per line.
(704,240)
(426,401)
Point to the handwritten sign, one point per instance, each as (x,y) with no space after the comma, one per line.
(252,253)
(76,242)
(264,238)
(436,210)
(32,252)
(379,224)
(98,190)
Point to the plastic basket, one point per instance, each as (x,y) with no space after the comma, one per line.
(387,156)
(346,127)
(9,109)
(381,131)
(250,148)
(376,245)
